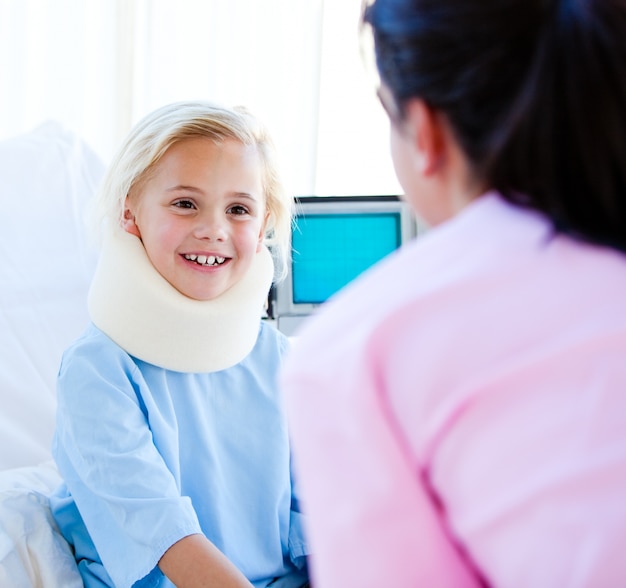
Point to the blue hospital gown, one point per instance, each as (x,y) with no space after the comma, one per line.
(150,456)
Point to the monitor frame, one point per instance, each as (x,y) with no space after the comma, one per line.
(282,307)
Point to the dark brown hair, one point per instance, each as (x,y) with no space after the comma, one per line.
(534,91)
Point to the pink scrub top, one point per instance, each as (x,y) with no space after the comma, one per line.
(458,413)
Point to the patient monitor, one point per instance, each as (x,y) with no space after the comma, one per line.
(333,240)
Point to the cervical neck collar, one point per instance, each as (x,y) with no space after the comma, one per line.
(147,317)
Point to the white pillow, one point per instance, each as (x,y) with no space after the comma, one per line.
(33,553)
(46,262)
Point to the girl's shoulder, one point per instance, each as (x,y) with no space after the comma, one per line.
(95,351)
(269,335)
(268,352)
(93,340)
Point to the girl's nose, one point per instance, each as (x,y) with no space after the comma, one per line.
(211,227)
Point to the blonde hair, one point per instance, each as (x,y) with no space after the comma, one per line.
(157,132)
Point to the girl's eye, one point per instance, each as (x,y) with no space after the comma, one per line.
(237,209)
(187,204)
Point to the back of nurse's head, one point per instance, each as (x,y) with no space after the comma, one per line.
(148,141)
(534,91)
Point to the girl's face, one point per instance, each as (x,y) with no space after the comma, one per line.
(201,215)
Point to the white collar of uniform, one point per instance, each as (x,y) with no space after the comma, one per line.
(147,317)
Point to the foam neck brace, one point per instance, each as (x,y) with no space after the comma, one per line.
(147,317)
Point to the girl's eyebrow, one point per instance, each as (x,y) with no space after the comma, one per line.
(182,187)
(185,188)
(245,195)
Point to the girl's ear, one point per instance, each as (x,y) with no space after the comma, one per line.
(426,129)
(128,221)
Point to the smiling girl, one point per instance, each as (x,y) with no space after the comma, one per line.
(170,434)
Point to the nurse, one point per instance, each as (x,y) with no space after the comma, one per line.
(459,412)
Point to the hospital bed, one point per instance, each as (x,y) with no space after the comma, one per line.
(47,178)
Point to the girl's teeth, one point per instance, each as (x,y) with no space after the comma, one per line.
(206,260)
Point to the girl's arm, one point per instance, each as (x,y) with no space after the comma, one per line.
(194,562)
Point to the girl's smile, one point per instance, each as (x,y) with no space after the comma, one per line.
(201,215)
(208,261)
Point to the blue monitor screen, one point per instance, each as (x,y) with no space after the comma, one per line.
(330,250)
